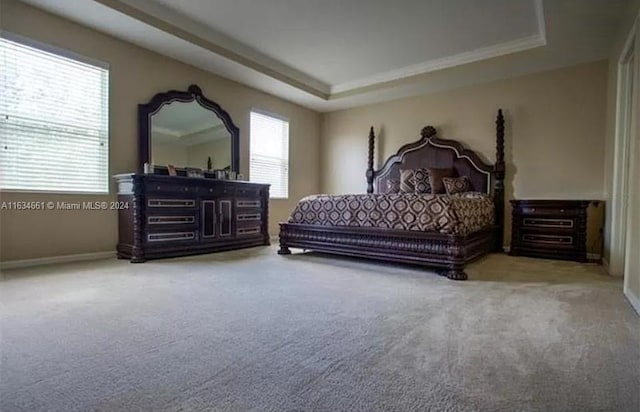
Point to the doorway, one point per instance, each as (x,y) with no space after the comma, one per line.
(625,242)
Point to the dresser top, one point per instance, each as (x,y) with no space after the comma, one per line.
(554,202)
(182,179)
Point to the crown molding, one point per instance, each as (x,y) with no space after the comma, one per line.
(163,19)
(497,50)
(164,130)
(158,28)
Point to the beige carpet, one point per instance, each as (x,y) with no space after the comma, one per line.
(250,330)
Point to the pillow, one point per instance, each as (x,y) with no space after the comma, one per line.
(435,178)
(472,195)
(421,181)
(393,186)
(455,185)
(407,184)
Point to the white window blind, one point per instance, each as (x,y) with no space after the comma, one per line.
(269,153)
(53,122)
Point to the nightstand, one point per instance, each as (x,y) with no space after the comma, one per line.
(552,229)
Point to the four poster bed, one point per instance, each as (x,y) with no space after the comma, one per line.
(446,220)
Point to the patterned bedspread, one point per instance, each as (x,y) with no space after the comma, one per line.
(459,214)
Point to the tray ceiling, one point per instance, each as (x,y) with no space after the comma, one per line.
(332,54)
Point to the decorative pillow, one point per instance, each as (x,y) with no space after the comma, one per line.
(435,178)
(393,186)
(407,184)
(472,195)
(455,185)
(421,181)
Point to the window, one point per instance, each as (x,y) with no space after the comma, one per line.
(53,121)
(269,153)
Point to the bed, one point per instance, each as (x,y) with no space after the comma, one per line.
(445,231)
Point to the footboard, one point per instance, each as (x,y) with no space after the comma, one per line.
(447,251)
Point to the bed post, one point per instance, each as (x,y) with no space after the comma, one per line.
(370,172)
(498,188)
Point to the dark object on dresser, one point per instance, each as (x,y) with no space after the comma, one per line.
(553,229)
(451,252)
(171,216)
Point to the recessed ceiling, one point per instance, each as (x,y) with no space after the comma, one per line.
(339,42)
(333,54)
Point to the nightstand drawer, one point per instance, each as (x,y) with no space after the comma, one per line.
(547,239)
(542,211)
(542,222)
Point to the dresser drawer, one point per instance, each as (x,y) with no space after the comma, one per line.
(168,202)
(248,204)
(249,230)
(248,216)
(166,220)
(171,188)
(173,236)
(248,192)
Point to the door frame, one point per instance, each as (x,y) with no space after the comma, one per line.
(627,86)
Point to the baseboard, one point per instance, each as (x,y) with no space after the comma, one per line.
(633,299)
(590,256)
(17,264)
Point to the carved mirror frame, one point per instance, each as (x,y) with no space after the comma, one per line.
(193,94)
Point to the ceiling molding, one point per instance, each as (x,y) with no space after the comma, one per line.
(443,63)
(228,52)
(186,133)
(568,37)
(166,131)
(168,21)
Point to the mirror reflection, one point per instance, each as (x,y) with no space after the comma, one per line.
(188,135)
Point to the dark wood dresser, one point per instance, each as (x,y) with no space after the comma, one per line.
(167,216)
(553,229)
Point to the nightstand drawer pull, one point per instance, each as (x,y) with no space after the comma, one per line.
(549,239)
(543,222)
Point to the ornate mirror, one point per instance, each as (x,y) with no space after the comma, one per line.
(186,130)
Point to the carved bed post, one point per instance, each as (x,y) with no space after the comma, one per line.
(498,188)
(370,172)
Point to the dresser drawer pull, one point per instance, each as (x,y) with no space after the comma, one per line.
(165,237)
(249,216)
(550,239)
(247,203)
(169,220)
(171,203)
(542,222)
(248,230)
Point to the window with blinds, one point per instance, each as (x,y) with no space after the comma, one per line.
(53,122)
(269,153)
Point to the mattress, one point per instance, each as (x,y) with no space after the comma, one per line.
(456,214)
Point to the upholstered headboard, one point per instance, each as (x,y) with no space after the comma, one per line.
(432,152)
